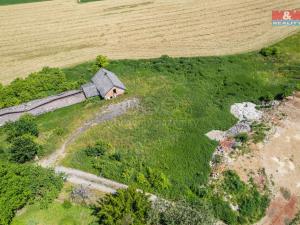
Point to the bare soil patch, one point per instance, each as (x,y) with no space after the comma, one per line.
(62,32)
(280,158)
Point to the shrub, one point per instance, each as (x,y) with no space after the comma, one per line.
(217,159)
(269,51)
(267,97)
(67,204)
(223,211)
(102,61)
(259,132)
(242,137)
(157,179)
(23,149)
(99,149)
(25,125)
(180,213)
(127,206)
(116,156)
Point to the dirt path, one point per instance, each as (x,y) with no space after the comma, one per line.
(90,180)
(110,112)
(59,33)
(280,157)
(79,177)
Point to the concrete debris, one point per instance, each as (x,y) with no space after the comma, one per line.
(246,111)
(240,127)
(216,135)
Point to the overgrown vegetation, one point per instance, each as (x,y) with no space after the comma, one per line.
(125,207)
(21,138)
(181,213)
(259,132)
(48,81)
(181,100)
(234,201)
(161,146)
(134,207)
(25,184)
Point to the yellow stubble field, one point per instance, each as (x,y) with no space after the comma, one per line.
(63,32)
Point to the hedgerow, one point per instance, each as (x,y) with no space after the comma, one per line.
(48,81)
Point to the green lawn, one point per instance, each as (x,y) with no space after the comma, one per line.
(10,2)
(55,214)
(181,100)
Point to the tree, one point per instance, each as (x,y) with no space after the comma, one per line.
(127,206)
(102,61)
(25,125)
(23,149)
(22,184)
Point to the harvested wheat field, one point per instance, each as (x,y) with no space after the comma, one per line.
(63,32)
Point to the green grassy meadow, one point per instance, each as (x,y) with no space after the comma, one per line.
(181,100)
(55,214)
(10,2)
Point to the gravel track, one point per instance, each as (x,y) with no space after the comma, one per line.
(79,177)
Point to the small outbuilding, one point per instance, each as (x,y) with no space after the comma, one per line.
(104,83)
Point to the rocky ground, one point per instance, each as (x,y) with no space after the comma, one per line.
(279,157)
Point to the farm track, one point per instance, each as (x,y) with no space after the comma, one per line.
(63,33)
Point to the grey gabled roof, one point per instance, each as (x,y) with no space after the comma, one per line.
(105,80)
(89,90)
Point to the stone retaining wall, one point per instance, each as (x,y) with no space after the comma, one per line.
(40,106)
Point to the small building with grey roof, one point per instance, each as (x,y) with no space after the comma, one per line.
(104,83)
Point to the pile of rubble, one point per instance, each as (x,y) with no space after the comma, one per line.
(246,113)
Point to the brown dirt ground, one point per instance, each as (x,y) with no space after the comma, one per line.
(63,32)
(280,157)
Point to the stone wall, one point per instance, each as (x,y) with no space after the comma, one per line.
(40,106)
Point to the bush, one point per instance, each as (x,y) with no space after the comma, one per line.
(157,179)
(23,149)
(259,132)
(25,184)
(180,213)
(127,206)
(25,125)
(99,149)
(116,156)
(242,137)
(102,61)
(67,204)
(269,51)
(223,211)
(267,97)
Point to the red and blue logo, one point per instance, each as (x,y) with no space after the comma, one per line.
(286,17)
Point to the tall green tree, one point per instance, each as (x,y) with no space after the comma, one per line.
(23,149)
